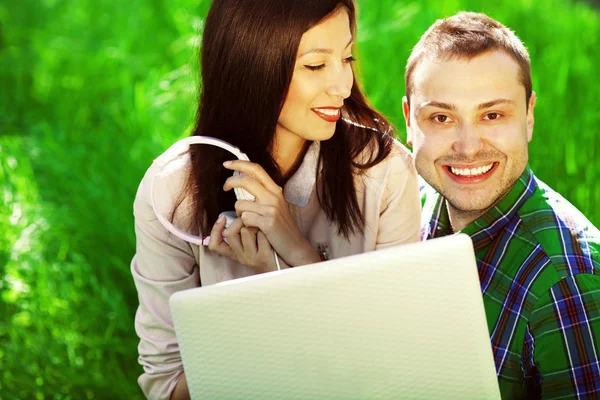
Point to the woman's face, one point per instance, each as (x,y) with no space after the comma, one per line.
(322,80)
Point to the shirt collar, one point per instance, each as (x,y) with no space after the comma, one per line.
(493,221)
(299,187)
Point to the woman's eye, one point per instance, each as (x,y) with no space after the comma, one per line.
(492,116)
(315,67)
(349,60)
(441,118)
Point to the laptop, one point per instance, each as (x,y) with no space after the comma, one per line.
(402,323)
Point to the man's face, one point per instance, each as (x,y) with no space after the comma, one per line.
(469,127)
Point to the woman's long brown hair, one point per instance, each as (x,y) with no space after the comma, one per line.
(248,55)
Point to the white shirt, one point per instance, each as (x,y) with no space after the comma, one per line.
(388,197)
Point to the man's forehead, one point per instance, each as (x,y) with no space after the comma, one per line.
(483,78)
(490,64)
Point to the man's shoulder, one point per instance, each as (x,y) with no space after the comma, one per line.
(566,236)
(429,204)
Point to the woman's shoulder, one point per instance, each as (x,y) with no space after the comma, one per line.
(398,157)
(174,161)
(164,183)
(398,161)
(401,156)
(395,177)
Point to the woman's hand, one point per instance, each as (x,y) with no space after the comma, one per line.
(269,213)
(246,245)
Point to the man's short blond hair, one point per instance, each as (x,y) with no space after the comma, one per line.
(467,35)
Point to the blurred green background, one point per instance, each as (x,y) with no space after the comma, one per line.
(91,91)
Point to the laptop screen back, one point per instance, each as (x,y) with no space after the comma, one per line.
(405,322)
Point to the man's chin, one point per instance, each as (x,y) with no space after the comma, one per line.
(475,199)
(470,205)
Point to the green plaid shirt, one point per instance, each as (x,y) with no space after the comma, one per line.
(539,265)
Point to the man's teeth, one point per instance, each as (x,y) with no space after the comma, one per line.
(471,171)
(328,111)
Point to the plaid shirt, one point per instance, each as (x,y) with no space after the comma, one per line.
(539,265)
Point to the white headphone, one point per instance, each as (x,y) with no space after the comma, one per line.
(240,194)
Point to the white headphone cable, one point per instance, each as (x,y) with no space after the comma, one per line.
(277,261)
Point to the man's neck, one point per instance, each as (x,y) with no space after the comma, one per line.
(459,219)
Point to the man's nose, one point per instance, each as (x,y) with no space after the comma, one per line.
(469,141)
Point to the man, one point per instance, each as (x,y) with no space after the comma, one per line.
(469,115)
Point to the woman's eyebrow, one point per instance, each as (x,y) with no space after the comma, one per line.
(323,50)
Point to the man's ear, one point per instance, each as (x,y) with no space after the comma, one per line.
(530,118)
(406,112)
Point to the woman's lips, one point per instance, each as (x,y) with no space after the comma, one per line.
(329,114)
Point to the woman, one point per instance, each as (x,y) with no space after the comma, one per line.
(328,178)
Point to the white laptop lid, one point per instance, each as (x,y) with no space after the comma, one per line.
(402,323)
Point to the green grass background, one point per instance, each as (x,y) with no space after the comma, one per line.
(91,91)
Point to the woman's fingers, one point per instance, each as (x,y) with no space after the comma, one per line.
(262,241)
(265,251)
(252,219)
(256,171)
(251,185)
(242,206)
(216,242)
(232,235)
(248,236)
(245,244)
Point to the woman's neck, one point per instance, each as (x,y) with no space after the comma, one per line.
(288,152)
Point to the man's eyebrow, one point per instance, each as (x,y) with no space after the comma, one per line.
(437,104)
(492,103)
(324,51)
(451,107)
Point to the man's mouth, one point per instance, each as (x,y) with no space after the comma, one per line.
(470,174)
(471,171)
(329,114)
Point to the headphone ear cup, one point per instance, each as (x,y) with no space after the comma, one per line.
(230,216)
(242,194)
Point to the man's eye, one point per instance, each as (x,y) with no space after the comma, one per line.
(492,116)
(441,118)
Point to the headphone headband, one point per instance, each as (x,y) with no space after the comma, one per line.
(240,194)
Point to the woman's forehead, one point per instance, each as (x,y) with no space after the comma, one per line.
(327,36)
